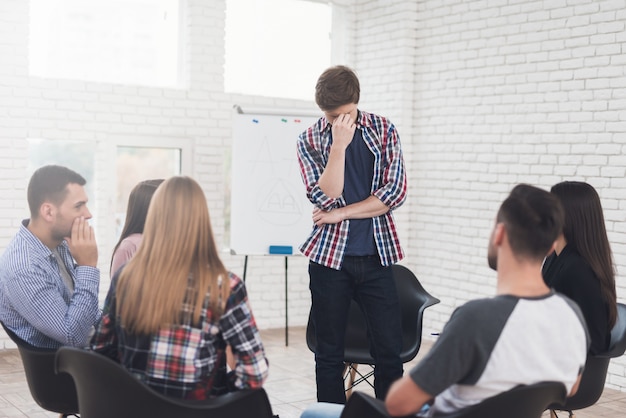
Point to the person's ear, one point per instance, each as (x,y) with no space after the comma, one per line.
(47,211)
(498,234)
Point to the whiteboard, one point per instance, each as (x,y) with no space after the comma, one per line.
(268,199)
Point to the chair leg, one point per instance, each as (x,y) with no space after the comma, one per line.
(347,368)
(351,368)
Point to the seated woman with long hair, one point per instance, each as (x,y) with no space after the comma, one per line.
(582,265)
(174,308)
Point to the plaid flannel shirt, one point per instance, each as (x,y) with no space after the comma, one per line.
(189,360)
(326,244)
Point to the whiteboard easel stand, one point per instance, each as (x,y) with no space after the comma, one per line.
(245,269)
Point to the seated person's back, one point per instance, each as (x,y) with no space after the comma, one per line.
(491,345)
(173,309)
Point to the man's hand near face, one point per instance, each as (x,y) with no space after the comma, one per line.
(343,130)
(82,243)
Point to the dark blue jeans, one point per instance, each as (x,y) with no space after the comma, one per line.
(365,280)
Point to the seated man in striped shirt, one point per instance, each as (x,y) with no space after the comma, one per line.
(48,275)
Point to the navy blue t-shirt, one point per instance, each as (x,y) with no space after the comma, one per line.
(358,175)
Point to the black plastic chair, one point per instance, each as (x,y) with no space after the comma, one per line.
(413,301)
(107,389)
(525,401)
(51,392)
(596,367)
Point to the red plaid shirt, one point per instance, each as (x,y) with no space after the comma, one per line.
(189,360)
(326,244)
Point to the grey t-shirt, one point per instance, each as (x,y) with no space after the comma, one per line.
(492,345)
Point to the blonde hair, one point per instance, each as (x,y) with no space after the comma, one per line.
(177,252)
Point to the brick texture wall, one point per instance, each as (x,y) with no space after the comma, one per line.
(508,92)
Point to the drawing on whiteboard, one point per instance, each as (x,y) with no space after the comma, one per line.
(278,204)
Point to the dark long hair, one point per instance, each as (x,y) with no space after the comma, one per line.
(138,203)
(585,231)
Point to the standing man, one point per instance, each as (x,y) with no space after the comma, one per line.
(352,166)
(48,275)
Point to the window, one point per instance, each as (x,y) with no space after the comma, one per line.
(112,168)
(118,41)
(276,48)
(135,164)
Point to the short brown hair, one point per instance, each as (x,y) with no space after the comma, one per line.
(337,86)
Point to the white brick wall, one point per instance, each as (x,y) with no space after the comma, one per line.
(485,94)
(508,92)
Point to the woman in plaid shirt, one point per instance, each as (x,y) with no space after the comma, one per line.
(174,308)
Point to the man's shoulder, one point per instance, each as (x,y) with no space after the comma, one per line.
(373,119)
(486,306)
(490,313)
(16,251)
(571,304)
(313,131)
(21,253)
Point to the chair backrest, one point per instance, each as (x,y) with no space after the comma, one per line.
(526,401)
(617,347)
(596,367)
(591,385)
(361,405)
(414,299)
(107,389)
(52,392)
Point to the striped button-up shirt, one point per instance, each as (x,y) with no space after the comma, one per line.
(36,304)
(188,360)
(326,244)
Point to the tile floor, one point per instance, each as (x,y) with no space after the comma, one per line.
(291,385)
